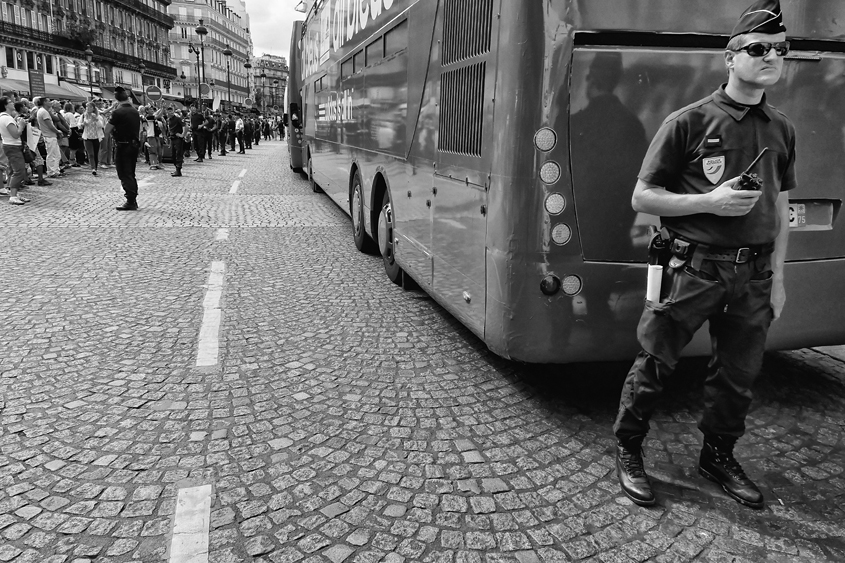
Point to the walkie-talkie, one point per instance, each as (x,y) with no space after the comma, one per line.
(749,180)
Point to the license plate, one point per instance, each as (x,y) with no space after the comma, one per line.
(811,215)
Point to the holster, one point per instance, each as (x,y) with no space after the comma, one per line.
(658,247)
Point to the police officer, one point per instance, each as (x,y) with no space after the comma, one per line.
(728,247)
(176,128)
(125,123)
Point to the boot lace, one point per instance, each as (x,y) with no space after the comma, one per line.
(632,459)
(730,464)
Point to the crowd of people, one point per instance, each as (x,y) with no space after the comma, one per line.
(43,140)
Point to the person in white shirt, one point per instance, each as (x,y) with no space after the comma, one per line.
(51,136)
(10,135)
(93,126)
(239,134)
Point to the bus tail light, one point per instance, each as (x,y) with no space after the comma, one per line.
(555,204)
(550,172)
(571,285)
(545,139)
(561,234)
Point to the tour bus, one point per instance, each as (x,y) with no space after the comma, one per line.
(488,149)
(293,105)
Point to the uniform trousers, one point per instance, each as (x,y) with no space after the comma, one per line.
(125,159)
(178,151)
(736,299)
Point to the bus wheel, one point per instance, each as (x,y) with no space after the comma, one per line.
(314,187)
(385,241)
(363,242)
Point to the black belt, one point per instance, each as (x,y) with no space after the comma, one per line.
(740,255)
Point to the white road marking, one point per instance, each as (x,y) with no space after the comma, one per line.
(235,187)
(242,174)
(145,182)
(222,234)
(208,347)
(190,525)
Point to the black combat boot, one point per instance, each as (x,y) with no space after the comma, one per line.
(718,464)
(631,473)
(130,205)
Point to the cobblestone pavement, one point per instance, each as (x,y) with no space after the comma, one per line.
(347,420)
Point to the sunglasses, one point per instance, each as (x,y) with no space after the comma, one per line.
(763,49)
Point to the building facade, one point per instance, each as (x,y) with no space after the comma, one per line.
(201,59)
(48,38)
(270,90)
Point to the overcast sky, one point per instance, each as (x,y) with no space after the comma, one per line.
(270,25)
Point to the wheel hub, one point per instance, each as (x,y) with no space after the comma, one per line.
(356,209)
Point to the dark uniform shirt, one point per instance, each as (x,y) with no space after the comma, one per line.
(126,122)
(196,120)
(711,141)
(174,124)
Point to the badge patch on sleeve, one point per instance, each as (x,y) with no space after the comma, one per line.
(714,168)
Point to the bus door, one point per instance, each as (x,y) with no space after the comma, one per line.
(461,178)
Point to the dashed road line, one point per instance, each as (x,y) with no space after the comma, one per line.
(242,174)
(208,347)
(222,234)
(190,525)
(235,187)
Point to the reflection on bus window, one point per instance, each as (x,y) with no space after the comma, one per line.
(396,39)
(346,68)
(375,51)
(358,62)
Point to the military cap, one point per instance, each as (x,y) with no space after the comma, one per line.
(119,89)
(764,16)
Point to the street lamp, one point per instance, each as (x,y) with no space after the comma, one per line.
(89,56)
(142,67)
(248,66)
(202,31)
(263,98)
(228,53)
(194,50)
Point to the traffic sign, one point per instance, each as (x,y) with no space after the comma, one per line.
(153,93)
(248,102)
(205,89)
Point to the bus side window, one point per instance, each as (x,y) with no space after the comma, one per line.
(375,51)
(358,61)
(396,39)
(346,69)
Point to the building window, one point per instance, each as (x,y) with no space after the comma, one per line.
(49,61)
(10,57)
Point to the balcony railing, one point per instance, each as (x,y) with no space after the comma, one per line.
(9,30)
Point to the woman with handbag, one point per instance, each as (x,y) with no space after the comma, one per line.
(93,127)
(13,148)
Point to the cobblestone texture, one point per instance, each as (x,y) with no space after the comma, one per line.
(348,421)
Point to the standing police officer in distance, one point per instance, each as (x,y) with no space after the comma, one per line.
(126,123)
(727,240)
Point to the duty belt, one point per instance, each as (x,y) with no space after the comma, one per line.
(699,252)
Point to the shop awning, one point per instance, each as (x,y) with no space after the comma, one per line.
(77,93)
(56,92)
(11,85)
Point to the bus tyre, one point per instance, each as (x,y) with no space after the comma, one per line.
(386,241)
(363,242)
(310,171)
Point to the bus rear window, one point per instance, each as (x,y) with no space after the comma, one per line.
(375,51)
(396,39)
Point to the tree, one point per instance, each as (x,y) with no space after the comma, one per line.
(83,30)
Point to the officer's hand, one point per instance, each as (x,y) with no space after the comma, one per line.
(728,202)
(778,297)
